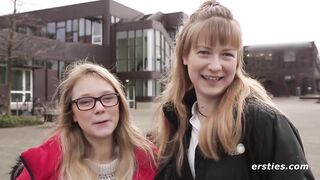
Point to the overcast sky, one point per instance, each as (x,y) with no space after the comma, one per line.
(262,21)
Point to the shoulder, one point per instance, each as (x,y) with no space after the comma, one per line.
(258,113)
(49,148)
(146,167)
(43,159)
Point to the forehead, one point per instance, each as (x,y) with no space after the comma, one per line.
(204,42)
(91,85)
(215,31)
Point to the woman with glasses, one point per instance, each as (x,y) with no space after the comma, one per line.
(94,138)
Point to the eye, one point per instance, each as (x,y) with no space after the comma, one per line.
(228,54)
(85,101)
(203,52)
(108,98)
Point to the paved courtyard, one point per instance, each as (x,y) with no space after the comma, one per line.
(305,115)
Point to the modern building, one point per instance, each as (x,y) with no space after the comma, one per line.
(285,69)
(134,46)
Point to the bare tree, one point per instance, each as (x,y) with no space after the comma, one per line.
(8,48)
(16,45)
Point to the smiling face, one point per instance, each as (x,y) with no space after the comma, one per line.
(211,68)
(100,121)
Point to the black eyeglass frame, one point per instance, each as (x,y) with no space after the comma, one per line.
(75,101)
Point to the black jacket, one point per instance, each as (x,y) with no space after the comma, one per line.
(271,142)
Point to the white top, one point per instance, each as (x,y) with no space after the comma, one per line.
(104,171)
(195,122)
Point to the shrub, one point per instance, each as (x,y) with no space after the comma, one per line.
(18,121)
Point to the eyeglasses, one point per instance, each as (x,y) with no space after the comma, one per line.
(87,103)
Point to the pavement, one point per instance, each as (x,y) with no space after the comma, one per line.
(304,114)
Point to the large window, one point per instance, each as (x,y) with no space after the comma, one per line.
(88,27)
(158,52)
(141,50)
(61,31)
(75,29)
(122,51)
(148,87)
(2,75)
(81,27)
(148,49)
(97,32)
(289,56)
(131,55)
(51,30)
(21,89)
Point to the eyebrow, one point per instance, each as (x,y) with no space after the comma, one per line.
(103,93)
(209,48)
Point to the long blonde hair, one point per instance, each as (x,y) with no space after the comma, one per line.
(74,145)
(224,127)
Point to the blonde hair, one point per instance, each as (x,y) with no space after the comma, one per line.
(224,128)
(75,147)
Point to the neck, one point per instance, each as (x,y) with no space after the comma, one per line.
(205,105)
(102,150)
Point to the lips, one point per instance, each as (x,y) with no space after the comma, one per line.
(212,78)
(101,122)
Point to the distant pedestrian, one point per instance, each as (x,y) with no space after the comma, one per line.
(95,138)
(216,123)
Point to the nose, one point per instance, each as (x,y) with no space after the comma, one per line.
(98,108)
(214,63)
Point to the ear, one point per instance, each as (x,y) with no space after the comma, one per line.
(185,60)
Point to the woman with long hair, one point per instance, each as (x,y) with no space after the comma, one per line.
(94,137)
(215,121)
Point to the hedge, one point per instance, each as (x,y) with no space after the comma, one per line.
(18,121)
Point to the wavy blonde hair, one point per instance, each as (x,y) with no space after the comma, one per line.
(75,147)
(224,127)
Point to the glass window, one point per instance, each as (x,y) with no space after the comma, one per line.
(88,27)
(289,56)
(51,27)
(16,97)
(97,28)
(62,67)
(81,27)
(131,56)
(122,51)
(37,62)
(117,19)
(157,87)
(51,30)
(139,50)
(112,19)
(145,87)
(61,34)
(69,25)
(28,80)
(43,31)
(148,49)
(75,25)
(75,37)
(158,52)
(16,80)
(52,65)
(122,65)
(28,97)
(61,24)
(2,75)
(97,32)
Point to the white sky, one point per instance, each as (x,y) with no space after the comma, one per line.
(262,21)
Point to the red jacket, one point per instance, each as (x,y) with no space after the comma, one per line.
(43,163)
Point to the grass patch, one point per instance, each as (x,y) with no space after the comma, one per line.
(18,121)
